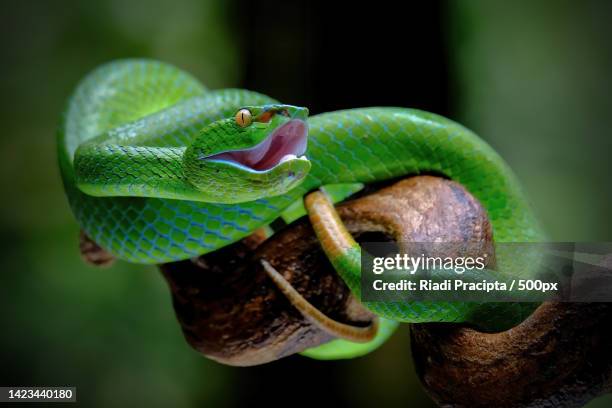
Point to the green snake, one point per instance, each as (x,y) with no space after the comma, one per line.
(157,168)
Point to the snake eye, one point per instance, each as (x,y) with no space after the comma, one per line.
(283,112)
(244,117)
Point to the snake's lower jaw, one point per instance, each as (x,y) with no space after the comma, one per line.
(240,185)
(294,171)
(283,178)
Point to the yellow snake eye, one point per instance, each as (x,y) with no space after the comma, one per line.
(244,117)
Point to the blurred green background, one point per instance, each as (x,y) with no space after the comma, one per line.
(532,78)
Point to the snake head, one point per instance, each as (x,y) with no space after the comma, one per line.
(258,152)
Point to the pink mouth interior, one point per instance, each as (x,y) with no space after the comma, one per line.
(286,142)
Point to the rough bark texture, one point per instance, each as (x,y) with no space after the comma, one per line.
(561,356)
(92,253)
(230,311)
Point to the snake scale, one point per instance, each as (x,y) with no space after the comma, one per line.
(157,168)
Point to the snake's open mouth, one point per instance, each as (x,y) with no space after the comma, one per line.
(285,143)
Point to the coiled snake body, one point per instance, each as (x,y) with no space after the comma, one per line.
(157,169)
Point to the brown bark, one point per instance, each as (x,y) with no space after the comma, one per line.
(92,253)
(231,312)
(561,356)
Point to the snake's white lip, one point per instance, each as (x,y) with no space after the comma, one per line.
(287,142)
